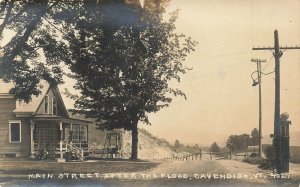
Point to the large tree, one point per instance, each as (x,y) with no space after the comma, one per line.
(128,77)
(123,56)
(36,28)
(19,58)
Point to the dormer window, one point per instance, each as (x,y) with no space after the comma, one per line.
(46,104)
(54,106)
(50,106)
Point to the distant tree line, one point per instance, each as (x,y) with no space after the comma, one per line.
(241,142)
(178,145)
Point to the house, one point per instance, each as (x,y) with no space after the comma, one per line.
(42,127)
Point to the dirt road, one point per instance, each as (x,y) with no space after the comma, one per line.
(207,173)
(124,173)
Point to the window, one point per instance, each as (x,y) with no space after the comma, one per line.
(15,131)
(54,106)
(46,104)
(76,133)
(83,133)
(66,132)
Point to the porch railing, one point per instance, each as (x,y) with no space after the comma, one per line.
(74,149)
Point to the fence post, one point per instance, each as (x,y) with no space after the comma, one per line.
(200,154)
(210,156)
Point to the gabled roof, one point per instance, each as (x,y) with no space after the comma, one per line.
(32,106)
(80,117)
(57,93)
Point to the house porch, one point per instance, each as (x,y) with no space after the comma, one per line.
(53,137)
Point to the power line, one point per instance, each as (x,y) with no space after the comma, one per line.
(258,64)
(282,155)
(268,63)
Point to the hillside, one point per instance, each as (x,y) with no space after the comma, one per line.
(96,136)
(150,147)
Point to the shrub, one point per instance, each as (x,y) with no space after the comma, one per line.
(268,163)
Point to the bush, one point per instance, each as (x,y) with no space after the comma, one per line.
(254,155)
(253,160)
(268,163)
(295,154)
(270,153)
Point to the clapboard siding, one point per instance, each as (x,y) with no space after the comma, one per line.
(7,105)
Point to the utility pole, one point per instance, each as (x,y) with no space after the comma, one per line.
(258,65)
(277,136)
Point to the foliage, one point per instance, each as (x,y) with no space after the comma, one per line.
(41,154)
(215,148)
(20,57)
(270,158)
(295,154)
(177,144)
(241,142)
(255,136)
(122,56)
(37,26)
(238,142)
(270,153)
(128,77)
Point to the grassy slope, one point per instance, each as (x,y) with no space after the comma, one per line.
(96,136)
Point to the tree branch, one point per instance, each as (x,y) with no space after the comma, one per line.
(14,47)
(8,14)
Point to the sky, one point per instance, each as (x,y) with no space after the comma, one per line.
(220,98)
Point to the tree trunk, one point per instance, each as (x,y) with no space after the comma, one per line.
(134,143)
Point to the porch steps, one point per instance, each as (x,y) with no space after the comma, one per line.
(77,151)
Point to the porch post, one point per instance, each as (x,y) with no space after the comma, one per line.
(71,134)
(80,135)
(61,159)
(32,123)
(87,135)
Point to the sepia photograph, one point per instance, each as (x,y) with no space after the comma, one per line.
(150,93)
